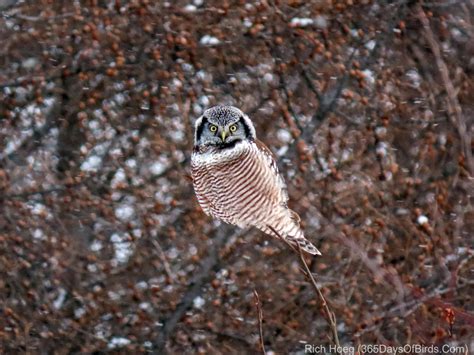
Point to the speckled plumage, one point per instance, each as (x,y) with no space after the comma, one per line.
(238,181)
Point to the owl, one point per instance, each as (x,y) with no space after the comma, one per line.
(236,178)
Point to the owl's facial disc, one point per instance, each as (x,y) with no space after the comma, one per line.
(223,127)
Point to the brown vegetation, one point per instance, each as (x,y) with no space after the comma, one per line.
(369,106)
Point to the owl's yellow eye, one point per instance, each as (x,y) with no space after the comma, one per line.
(213,128)
(233,128)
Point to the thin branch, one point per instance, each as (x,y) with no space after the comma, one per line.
(260,321)
(311,86)
(330,314)
(331,317)
(444,3)
(42,18)
(162,257)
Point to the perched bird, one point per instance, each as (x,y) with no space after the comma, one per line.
(236,177)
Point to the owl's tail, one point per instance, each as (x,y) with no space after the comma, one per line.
(303,244)
(297,241)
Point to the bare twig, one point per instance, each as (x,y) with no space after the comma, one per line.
(42,18)
(331,317)
(164,261)
(260,320)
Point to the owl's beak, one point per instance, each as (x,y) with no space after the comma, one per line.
(224,134)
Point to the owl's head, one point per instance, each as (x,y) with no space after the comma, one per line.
(223,126)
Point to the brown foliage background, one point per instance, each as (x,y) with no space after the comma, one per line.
(368,106)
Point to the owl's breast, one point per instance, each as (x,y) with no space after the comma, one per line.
(238,185)
(212,170)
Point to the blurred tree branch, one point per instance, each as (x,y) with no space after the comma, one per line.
(260,321)
(210,265)
(454,108)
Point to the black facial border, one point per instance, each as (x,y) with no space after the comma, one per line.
(248,133)
(201,128)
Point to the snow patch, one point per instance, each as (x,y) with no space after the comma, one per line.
(198,302)
(422,220)
(29,63)
(382,149)
(159,166)
(124,212)
(301,21)
(381,132)
(91,164)
(370,45)
(369,76)
(145,306)
(172,253)
(96,245)
(119,178)
(38,209)
(118,342)
(284,136)
(59,301)
(207,40)
(204,100)
(321,22)
(131,163)
(414,77)
(268,77)
(247,23)
(79,312)
(190,8)
(122,248)
(38,234)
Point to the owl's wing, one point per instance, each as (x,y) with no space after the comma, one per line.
(268,155)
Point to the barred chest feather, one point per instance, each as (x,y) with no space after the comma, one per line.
(239,185)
